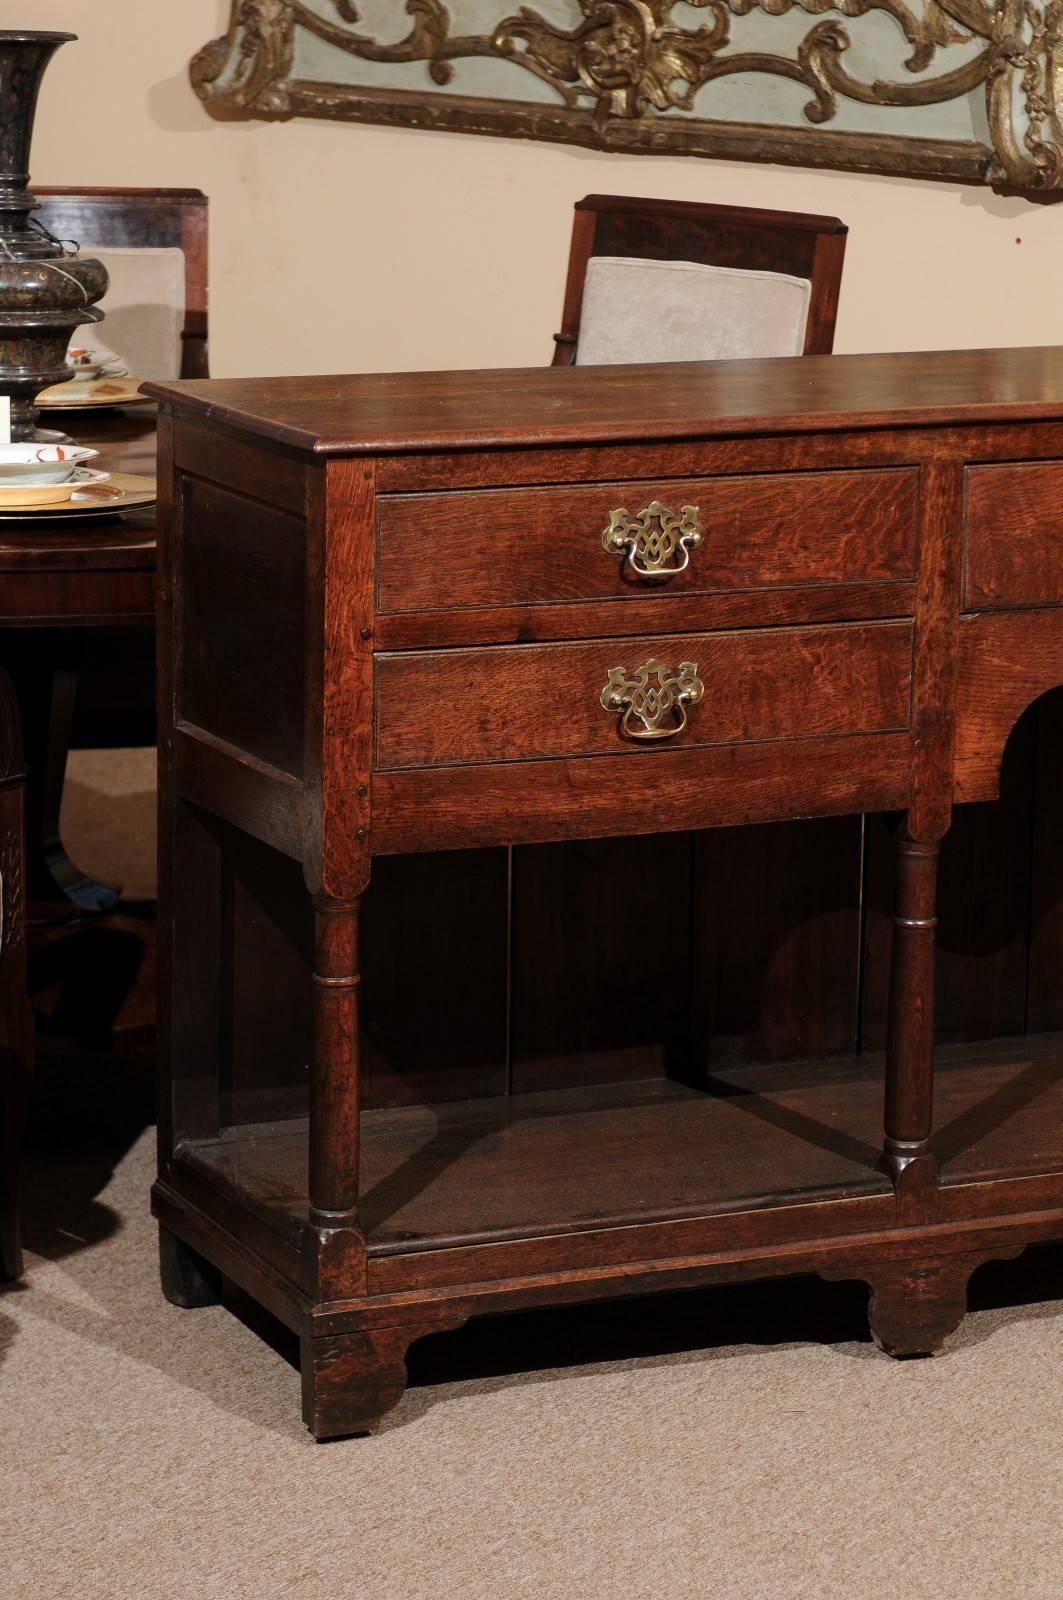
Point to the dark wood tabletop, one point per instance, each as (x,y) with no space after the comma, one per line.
(388,412)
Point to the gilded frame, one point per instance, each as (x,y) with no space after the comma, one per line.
(626,75)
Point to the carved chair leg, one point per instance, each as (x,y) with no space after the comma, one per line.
(187,1280)
(916,1303)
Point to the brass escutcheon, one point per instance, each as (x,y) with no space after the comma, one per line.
(653,698)
(657,542)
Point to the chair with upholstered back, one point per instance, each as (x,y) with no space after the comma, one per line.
(672,280)
(153,243)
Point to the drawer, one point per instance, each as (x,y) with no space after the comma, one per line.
(521,547)
(1014,544)
(530,702)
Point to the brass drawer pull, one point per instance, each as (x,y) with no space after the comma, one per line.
(653,698)
(654,539)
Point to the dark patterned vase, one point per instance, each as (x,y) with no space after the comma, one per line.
(44,292)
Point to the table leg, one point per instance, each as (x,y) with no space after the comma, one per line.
(16,1021)
(46,680)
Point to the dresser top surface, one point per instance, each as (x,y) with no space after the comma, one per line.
(387,413)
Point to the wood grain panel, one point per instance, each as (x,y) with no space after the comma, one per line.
(242,568)
(645,613)
(601,961)
(443,551)
(776,956)
(512,802)
(1045,980)
(219,455)
(712,456)
(434,972)
(521,703)
(1007,660)
(377,413)
(1014,551)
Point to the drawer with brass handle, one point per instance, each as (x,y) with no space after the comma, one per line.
(557,545)
(528,702)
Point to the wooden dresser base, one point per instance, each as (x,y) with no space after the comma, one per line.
(459,1232)
(586,631)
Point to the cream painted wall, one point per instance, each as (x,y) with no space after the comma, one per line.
(339,248)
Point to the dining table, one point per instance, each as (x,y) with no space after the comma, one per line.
(76,592)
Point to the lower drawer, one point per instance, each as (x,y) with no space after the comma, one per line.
(643,696)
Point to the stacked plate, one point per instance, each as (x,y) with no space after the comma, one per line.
(34,476)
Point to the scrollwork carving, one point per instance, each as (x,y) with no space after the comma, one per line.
(627,75)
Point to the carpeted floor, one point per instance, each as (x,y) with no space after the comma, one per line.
(664,1450)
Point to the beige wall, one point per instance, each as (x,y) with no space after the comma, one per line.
(339,248)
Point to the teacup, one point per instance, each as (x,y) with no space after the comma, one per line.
(87,364)
(41,463)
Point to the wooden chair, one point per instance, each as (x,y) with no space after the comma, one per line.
(16,1022)
(656,312)
(115,224)
(100,691)
(779,244)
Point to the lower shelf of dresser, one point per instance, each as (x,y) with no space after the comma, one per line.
(549,1166)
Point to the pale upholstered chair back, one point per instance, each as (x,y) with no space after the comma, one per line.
(674,280)
(645,311)
(143,309)
(153,243)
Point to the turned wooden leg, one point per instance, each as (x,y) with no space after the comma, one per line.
(187,1280)
(335,1242)
(916,1303)
(334,1087)
(910,1033)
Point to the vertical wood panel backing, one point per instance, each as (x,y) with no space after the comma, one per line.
(1045,991)
(983,903)
(266,1076)
(601,961)
(776,958)
(339,702)
(434,972)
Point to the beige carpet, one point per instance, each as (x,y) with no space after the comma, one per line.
(151,1452)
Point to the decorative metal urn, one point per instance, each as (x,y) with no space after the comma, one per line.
(45,293)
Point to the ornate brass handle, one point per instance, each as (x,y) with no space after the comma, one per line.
(657,542)
(653,698)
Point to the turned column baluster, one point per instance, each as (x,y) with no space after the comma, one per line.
(910,1030)
(334,1086)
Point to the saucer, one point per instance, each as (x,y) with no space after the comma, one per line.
(82,393)
(46,496)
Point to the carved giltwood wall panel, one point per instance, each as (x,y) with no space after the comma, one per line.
(931,88)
